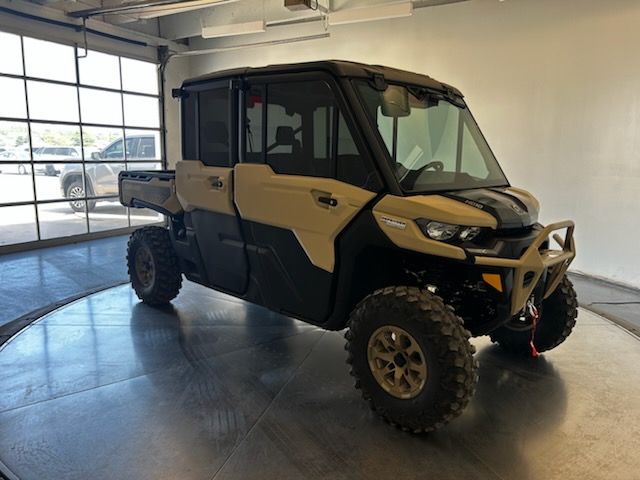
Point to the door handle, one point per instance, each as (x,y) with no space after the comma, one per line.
(216,182)
(332,202)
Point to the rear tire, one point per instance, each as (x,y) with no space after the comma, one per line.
(557,318)
(153,266)
(388,367)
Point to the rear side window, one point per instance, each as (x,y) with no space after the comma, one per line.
(147,148)
(213,126)
(190,126)
(254,123)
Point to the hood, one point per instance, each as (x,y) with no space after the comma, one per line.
(511,207)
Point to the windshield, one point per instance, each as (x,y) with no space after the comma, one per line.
(433,142)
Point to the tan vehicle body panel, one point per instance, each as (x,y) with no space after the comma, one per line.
(200,186)
(392,212)
(291,202)
(519,192)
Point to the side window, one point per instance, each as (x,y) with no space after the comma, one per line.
(295,140)
(353,167)
(322,133)
(253,126)
(114,150)
(189,122)
(284,131)
(213,126)
(147,148)
(132,148)
(305,134)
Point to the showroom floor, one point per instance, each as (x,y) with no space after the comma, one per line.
(212,387)
(215,388)
(39,278)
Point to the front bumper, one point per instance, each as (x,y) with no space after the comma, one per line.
(534,262)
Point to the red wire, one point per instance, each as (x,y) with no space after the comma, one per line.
(534,321)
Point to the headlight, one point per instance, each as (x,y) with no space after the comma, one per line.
(468,233)
(440,231)
(446,231)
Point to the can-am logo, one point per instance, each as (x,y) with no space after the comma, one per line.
(392,222)
(474,204)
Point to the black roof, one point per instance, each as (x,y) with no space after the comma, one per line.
(338,68)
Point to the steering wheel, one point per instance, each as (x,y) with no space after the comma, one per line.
(437,165)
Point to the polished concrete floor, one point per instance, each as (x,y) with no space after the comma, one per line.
(614,301)
(38,278)
(214,388)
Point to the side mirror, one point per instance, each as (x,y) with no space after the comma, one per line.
(95,155)
(395,102)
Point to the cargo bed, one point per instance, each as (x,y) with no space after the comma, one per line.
(154,189)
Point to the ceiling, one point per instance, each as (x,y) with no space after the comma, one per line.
(182,20)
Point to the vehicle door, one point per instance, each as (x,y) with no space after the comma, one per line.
(293,196)
(103,174)
(204,182)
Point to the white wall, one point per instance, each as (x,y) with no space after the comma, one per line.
(176,72)
(555,86)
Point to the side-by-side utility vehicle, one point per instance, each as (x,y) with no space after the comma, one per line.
(359,197)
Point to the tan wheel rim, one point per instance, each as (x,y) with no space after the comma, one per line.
(145,268)
(397,362)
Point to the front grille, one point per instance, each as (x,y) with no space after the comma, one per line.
(513,232)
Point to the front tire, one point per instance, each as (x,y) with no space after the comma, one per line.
(557,318)
(153,266)
(411,358)
(75,192)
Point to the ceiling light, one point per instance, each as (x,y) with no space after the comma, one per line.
(369,14)
(233,29)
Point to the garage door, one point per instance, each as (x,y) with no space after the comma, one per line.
(70,120)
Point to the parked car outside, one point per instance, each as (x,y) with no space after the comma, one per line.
(54,153)
(15,154)
(102,175)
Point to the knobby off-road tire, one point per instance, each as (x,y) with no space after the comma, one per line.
(153,266)
(442,340)
(557,318)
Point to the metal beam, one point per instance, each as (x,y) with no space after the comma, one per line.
(11,13)
(141,5)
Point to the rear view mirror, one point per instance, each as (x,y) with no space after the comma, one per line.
(395,102)
(95,155)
